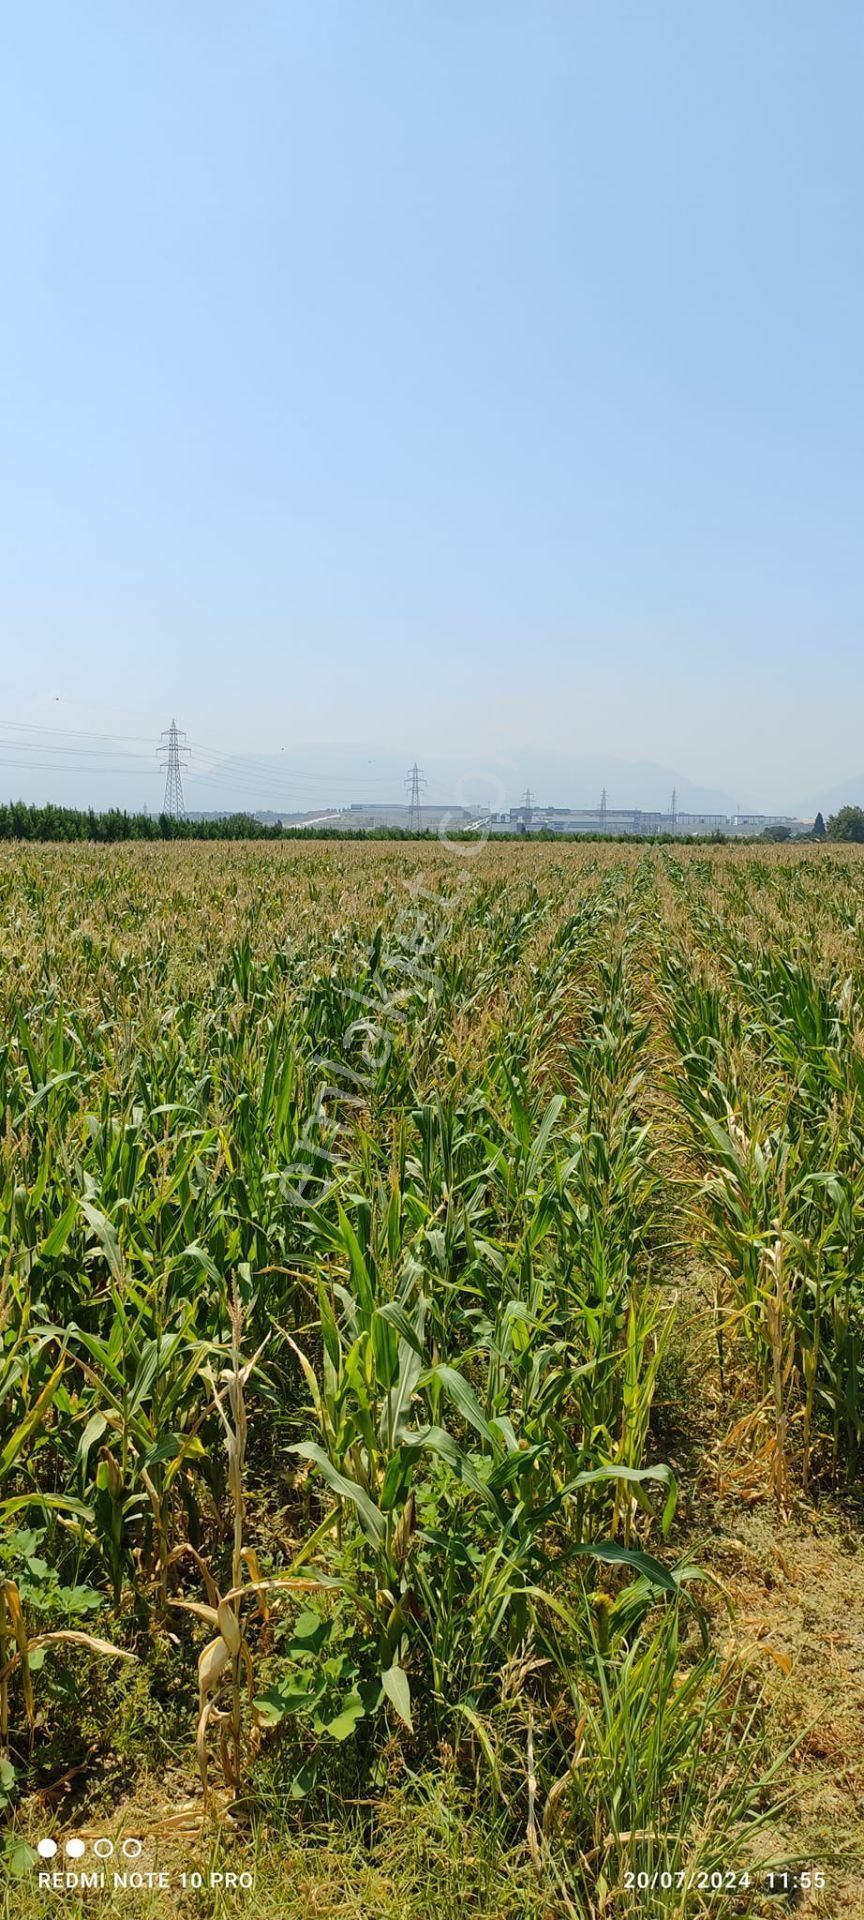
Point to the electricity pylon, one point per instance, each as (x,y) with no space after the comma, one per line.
(172,767)
(603,811)
(415,780)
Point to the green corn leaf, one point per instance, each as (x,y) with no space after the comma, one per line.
(395,1683)
(371,1520)
(106,1237)
(55,1241)
(398,1318)
(55,1502)
(612,1552)
(464,1399)
(634,1475)
(18,1440)
(437,1440)
(93,1431)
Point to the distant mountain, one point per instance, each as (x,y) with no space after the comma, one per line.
(302,777)
(578,781)
(312,777)
(848,793)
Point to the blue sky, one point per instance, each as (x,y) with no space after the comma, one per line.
(472,379)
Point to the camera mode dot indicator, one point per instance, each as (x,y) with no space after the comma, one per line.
(74,1849)
(46,1849)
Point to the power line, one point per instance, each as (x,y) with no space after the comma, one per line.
(73,750)
(50,766)
(244,763)
(173,769)
(251,763)
(239,773)
(74,733)
(267,787)
(415,779)
(81,753)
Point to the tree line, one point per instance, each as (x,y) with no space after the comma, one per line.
(20,821)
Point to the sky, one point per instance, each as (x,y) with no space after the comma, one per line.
(471,381)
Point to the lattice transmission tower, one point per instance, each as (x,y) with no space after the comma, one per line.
(415,781)
(172,767)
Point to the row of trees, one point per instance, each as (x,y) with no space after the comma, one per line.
(18,821)
(846,824)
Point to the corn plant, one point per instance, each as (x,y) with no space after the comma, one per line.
(334,1196)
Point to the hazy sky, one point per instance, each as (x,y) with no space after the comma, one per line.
(457,378)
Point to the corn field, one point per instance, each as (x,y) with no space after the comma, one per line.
(354,1205)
